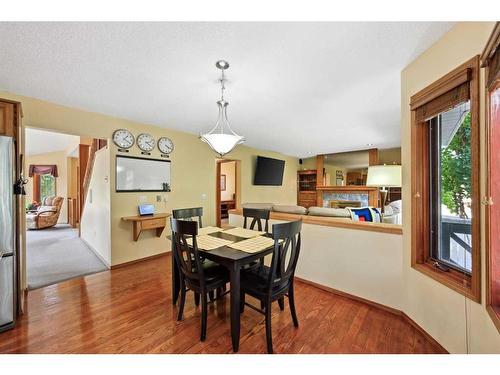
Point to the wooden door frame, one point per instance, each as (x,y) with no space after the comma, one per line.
(237,186)
(489,51)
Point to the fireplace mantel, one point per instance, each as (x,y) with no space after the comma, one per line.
(351,188)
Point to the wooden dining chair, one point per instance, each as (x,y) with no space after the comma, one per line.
(195,274)
(269,284)
(257,215)
(189,214)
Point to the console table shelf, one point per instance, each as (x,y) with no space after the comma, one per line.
(147,222)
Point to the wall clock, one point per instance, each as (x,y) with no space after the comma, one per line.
(123,138)
(146,142)
(165,145)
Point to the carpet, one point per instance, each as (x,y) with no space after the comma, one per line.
(57,254)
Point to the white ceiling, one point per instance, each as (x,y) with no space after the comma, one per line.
(42,142)
(297,88)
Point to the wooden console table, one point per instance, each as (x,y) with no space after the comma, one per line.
(148,222)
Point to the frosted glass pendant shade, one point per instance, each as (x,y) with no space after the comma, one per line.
(221,138)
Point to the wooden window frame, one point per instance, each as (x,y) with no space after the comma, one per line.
(490,60)
(458,85)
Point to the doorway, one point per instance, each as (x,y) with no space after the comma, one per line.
(62,219)
(227,189)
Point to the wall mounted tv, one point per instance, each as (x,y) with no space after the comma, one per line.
(269,171)
(135,174)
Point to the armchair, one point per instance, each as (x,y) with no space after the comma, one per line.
(47,215)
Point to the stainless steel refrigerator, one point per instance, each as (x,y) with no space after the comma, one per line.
(7,235)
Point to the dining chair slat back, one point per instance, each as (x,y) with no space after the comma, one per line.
(257,215)
(188,214)
(187,257)
(285,254)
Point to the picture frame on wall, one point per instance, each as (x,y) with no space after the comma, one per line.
(223,182)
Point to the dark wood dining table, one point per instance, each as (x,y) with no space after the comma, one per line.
(233,260)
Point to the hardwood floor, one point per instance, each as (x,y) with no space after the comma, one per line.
(129,310)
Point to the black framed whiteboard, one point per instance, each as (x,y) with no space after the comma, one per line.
(135,174)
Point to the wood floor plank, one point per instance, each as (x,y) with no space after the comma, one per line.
(129,310)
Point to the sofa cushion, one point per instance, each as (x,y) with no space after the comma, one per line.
(326,211)
(260,206)
(365,214)
(42,209)
(290,209)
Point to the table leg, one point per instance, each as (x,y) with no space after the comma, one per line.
(175,280)
(235,307)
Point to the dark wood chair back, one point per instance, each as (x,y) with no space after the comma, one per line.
(257,215)
(189,214)
(286,254)
(187,257)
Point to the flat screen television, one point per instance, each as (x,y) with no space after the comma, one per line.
(269,171)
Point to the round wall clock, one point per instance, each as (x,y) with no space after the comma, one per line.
(146,142)
(123,138)
(165,145)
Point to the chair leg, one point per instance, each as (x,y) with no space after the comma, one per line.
(211,296)
(204,304)
(269,335)
(242,302)
(291,300)
(183,301)
(262,305)
(281,302)
(197,299)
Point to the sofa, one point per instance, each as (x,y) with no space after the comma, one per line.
(46,215)
(392,211)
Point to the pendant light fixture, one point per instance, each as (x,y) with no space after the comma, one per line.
(222,139)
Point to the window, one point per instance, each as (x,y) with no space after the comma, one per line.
(44,185)
(47,186)
(445,180)
(491,60)
(451,189)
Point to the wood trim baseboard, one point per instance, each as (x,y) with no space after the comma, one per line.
(350,296)
(377,305)
(96,253)
(125,264)
(434,342)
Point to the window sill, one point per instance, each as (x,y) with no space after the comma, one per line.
(452,279)
(494,312)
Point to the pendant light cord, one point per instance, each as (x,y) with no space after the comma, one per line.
(222,86)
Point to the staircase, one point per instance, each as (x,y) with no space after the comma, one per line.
(86,165)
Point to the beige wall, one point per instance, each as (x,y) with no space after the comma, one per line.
(58,158)
(228,169)
(308,163)
(389,156)
(193,172)
(96,217)
(435,307)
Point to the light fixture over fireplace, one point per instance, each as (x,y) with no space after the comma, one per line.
(222,139)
